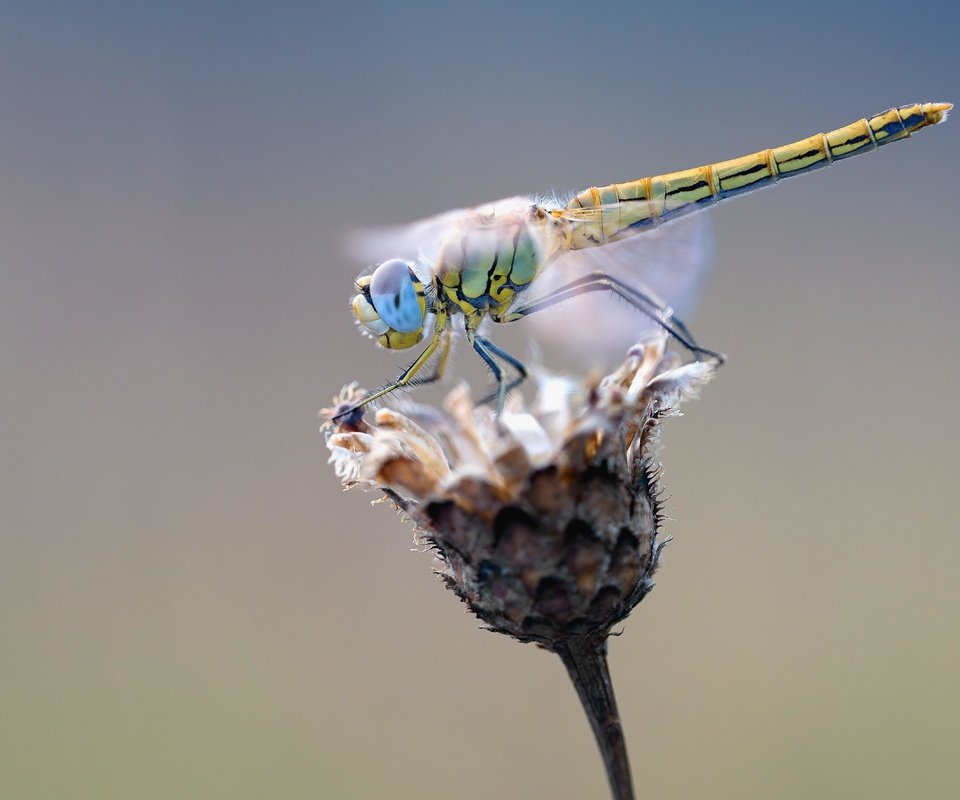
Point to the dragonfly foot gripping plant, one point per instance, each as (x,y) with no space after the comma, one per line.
(544,522)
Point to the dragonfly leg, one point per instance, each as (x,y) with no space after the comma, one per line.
(442,359)
(489,352)
(601,282)
(407,377)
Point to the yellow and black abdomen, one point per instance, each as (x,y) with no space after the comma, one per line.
(628,208)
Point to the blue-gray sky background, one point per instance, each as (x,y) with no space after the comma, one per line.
(190,607)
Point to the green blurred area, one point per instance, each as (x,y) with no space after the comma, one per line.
(191,607)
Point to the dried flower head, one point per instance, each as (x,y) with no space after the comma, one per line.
(546,520)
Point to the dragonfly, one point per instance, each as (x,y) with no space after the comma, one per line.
(479,263)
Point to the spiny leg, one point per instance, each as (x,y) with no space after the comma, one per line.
(600,281)
(487,350)
(442,360)
(407,376)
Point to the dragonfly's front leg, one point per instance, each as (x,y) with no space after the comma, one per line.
(442,359)
(408,376)
(601,282)
(489,352)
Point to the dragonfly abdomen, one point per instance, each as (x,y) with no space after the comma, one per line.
(635,206)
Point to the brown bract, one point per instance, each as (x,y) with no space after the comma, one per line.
(545,521)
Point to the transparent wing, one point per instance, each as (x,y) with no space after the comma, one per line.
(412,241)
(421,240)
(668,263)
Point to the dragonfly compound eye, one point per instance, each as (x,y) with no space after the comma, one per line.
(397,295)
(366,314)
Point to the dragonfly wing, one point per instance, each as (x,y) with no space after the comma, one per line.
(415,241)
(420,241)
(668,263)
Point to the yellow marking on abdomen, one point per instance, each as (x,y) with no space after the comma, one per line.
(634,206)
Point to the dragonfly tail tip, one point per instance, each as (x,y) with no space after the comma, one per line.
(939,111)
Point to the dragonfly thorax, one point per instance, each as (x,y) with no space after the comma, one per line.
(487,260)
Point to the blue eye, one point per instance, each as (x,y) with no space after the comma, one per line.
(395,297)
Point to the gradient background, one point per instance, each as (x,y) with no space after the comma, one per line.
(190,607)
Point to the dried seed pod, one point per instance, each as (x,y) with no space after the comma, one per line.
(545,521)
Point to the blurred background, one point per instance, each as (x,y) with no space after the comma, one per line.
(191,607)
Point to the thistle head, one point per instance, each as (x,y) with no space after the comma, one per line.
(546,521)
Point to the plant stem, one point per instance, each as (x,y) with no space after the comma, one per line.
(586,662)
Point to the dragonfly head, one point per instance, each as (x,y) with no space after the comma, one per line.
(390,305)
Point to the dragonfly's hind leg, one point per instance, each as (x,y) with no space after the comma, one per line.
(601,282)
(489,352)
